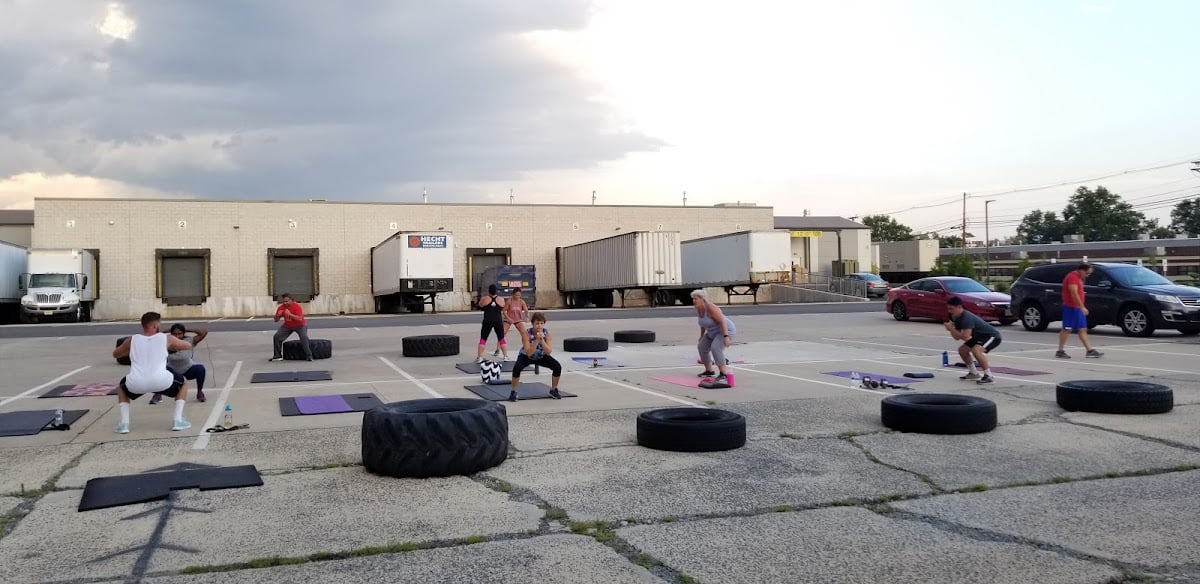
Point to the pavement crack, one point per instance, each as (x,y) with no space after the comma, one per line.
(1162,441)
(871,457)
(589,448)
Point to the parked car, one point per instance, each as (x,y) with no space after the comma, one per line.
(1132,297)
(876,286)
(926,298)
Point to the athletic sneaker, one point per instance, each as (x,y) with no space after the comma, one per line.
(480,360)
(970,376)
(721,379)
(123,428)
(155,398)
(496,353)
(706,374)
(181,424)
(985,379)
(554,394)
(512,396)
(275,359)
(1062,355)
(200,396)
(1094,354)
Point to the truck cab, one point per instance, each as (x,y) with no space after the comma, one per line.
(60,285)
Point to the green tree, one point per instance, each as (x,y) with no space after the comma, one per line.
(884,228)
(1157,231)
(952,240)
(959,264)
(1099,215)
(1185,217)
(1022,265)
(1041,227)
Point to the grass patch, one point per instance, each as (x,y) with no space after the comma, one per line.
(600,530)
(474,539)
(711,402)
(646,561)
(685,579)
(782,509)
(555,514)
(670,519)
(843,503)
(973,489)
(275,561)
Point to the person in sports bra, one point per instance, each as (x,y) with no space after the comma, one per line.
(493,320)
(515,311)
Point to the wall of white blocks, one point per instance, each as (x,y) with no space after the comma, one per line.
(128,231)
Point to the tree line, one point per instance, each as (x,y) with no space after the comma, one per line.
(1096,214)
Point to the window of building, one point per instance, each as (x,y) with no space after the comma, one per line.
(183,276)
(293,271)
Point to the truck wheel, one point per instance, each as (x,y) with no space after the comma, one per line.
(1114,397)
(691,430)
(78,315)
(321,349)
(634,336)
(585,344)
(434,437)
(603,299)
(429,345)
(122,360)
(938,413)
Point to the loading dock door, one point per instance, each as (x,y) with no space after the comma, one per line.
(480,259)
(183,280)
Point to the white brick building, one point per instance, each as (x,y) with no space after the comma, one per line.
(231,251)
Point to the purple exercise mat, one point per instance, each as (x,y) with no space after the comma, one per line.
(322,404)
(874,376)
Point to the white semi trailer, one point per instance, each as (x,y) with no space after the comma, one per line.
(13,259)
(60,285)
(738,262)
(589,273)
(410,268)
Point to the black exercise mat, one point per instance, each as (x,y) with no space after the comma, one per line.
(286,376)
(525,391)
(473,367)
(358,402)
(30,422)
(105,492)
(82,390)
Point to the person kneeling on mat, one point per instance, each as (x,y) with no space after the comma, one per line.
(536,346)
(182,363)
(148,372)
(980,338)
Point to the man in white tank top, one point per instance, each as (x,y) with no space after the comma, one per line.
(148,372)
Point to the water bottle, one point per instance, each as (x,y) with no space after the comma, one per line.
(945,359)
(855,380)
(58,417)
(228,415)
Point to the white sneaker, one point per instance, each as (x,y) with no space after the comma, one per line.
(123,428)
(181,424)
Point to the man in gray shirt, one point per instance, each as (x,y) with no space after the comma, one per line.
(979,339)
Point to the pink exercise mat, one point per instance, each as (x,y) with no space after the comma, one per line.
(688,380)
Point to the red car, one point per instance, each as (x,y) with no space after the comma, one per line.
(926,298)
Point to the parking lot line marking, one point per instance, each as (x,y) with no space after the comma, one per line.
(202,440)
(1020,379)
(817,381)
(42,386)
(428,390)
(357,329)
(250,319)
(1092,362)
(645,391)
(1117,348)
(878,344)
(218,320)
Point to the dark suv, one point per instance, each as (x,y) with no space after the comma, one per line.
(1132,297)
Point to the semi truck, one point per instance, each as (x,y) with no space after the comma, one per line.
(13,259)
(60,285)
(589,273)
(738,262)
(410,268)
(508,278)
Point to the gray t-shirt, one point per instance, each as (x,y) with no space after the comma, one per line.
(181,361)
(980,329)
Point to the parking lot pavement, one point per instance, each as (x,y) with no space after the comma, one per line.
(851,545)
(818,459)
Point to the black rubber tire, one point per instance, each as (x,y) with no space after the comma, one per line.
(585,344)
(437,437)
(1033,317)
(603,299)
(634,337)
(429,345)
(122,360)
(899,312)
(1142,325)
(691,430)
(938,413)
(321,349)
(1115,397)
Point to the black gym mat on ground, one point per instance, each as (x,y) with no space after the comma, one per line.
(525,391)
(286,376)
(474,367)
(358,402)
(105,492)
(82,390)
(31,422)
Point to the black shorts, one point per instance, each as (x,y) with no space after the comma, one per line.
(988,343)
(176,385)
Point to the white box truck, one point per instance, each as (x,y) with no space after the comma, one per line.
(409,269)
(737,262)
(589,273)
(60,285)
(13,260)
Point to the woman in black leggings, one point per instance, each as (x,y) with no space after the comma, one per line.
(536,346)
(493,320)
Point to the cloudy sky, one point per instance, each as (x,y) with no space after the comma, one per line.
(844,108)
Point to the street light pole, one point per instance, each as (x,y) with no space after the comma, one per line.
(987,243)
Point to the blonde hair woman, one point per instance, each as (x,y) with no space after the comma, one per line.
(714,325)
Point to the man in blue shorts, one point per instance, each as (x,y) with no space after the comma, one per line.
(1075,312)
(979,338)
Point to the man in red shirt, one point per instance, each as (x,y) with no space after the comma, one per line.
(1075,312)
(293,322)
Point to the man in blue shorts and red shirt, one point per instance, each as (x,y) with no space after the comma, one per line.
(1075,312)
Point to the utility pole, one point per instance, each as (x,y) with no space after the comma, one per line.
(510,197)
(964,225)
(593,197)
(424,196)
(684,198)
(987,243)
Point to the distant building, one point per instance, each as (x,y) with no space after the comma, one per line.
(16,226)
(820,242)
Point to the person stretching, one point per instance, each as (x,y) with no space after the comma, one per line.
(713,322)
(148,372)
(493,320)
(182,362)
(536,346)
(979,339)
(515,311)
(293,322)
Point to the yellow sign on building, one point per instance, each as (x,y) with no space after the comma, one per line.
(806,234)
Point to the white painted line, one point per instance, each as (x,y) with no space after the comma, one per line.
(878,344)
(218,320)
(60,338)
(428,390)
(829,383)
(1021,379)
(1092,362)
(218,409)
(43,386)
(1123,348)
(250,319)
(445,326)
(645,391)
(357,329)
